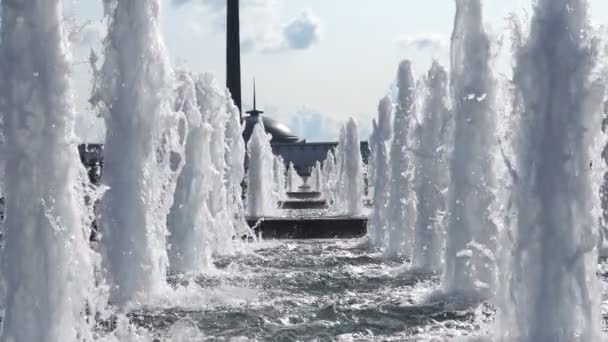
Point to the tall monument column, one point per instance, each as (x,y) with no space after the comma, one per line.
(233,53)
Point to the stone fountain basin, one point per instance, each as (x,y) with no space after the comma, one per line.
(325,227)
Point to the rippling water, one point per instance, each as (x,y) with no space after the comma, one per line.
(318,290)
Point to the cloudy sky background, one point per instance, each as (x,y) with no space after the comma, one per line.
(316,62)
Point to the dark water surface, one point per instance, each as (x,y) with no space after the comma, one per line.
(321,290)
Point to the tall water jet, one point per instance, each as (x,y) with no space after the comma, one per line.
(260,202)
(471,233)
(47,264)
(213,107)
(432,173)
(279,174)
(317,177)
(552,293)
(235,171)
(339,185)
(140,163)
(369,170)
(329,165)
(378,220)
(401,207)
(293,180)
(352,171)
(189,245)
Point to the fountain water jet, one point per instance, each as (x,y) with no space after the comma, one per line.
(551,292)
(189,218)
(401,207)
(280,191)
(329,165)
(47,264)
(293,180)
(432,176)
(471,233)
(260,177)
(317,176)
(378,220)
(141,161)
(338,174)
(213,104)
(235,172)
(352,171)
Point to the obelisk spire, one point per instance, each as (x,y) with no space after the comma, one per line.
(233,53)
(255,111)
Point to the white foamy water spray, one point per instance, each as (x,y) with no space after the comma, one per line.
(317,177)
(47,264)
(141,155)
(189,219)
(338,174)
(329,165)
(260,184)
(279,174)
(552,291)
(471,234)
(213,105)
(293,179)
(432,172)
(353,171)
(235,171)
(401,204)
(378,219)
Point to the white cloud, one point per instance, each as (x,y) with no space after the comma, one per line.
(423,42)
(303,31)
(263,27)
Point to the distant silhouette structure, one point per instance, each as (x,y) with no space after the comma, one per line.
(233,53)
(281,134)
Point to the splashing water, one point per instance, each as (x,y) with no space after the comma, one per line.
(260,181)
(293,179)
(142,158)
(213,105)
(235,172)
(352,171)
(329,166)
(47,264)
(551,293)
(338,174)
(469,258)
(190,220)
(279,173)
(432,176)
(401,209)
(317,176)
(378,220)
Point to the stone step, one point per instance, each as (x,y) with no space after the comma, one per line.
(310,228)
(304,195)
(304,204)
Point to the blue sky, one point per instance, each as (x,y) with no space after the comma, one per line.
(316,62)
